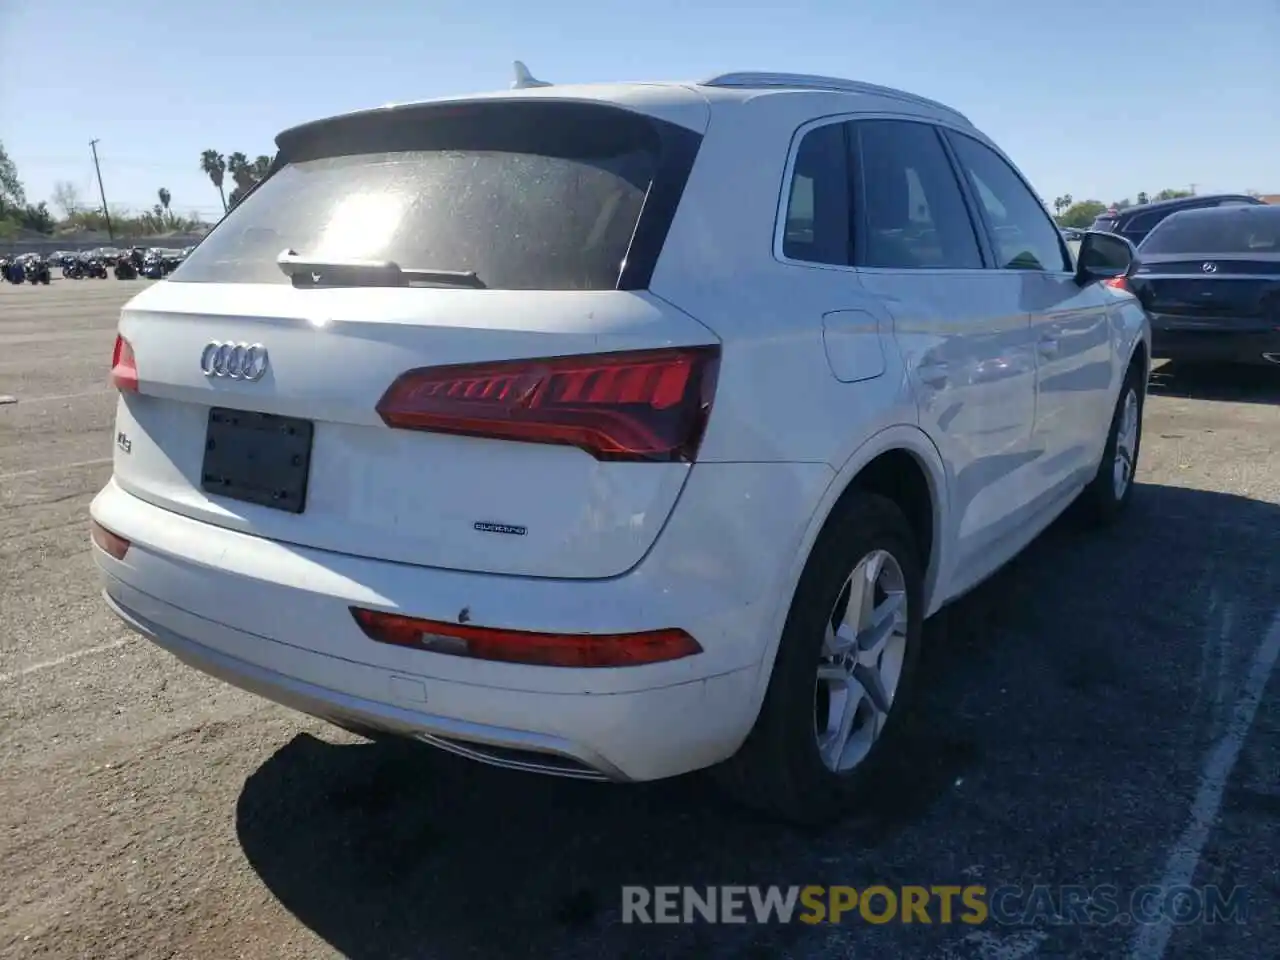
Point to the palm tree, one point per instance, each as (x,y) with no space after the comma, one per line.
(215,166)
(241,172)
(165,196)
(261,166)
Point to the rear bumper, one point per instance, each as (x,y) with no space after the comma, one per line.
(274,619)
(1171,341)
(609,725)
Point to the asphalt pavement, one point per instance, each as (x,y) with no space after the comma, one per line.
(1103,715)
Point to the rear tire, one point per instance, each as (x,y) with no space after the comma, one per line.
(1108,494)
(792,765)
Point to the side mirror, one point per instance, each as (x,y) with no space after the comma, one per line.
(1104,256)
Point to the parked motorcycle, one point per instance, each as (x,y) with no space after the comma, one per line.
(153,268)
(73,270)
(95,268)
(38,271)
(125,269)
(15,272)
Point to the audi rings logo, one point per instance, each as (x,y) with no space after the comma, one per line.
(238,361)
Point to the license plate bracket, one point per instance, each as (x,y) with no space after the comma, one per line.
(258,458)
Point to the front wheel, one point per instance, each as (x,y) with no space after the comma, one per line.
(1111,489)
(844,671)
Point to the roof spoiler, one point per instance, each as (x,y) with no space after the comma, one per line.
(524,79)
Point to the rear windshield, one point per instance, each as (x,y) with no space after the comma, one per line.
(528,196)
(1241,230)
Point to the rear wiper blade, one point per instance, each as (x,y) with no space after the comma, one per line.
(311,272)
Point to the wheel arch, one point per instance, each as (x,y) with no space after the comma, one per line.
(873,467)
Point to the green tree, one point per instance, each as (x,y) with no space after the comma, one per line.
(165,196)
(1062,203)
(12,195)
(214,166)
(37,218)
(246,174)
(1142,198)
(66,198)
(1081,215)
(1173,194)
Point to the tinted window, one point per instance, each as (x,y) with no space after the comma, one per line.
(913,212)
(1022,232)
(528,196)
(817,225)
(1242,230)
(1144,222)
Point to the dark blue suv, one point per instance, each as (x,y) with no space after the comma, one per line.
(1134,223)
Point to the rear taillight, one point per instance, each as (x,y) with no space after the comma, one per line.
(111,544)
(1118,283)
(124,368)
(519,646)
(642,405)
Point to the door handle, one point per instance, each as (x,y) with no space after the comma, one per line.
(933,374)
(1048,347)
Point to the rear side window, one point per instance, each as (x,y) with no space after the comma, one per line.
(529,196)
(1241,231)
(816,229)
(1143,223)
(913,213)
(1022,233)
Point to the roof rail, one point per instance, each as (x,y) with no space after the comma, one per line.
(806,81)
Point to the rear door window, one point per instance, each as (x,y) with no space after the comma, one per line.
(1145,222)
(913,214)
(528,195)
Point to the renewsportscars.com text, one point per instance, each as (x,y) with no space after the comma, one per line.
(970,904)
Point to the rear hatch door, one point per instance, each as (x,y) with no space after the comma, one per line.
(1212,290)
(1215,267)
(553,420)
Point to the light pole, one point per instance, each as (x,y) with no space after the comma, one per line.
(93,145)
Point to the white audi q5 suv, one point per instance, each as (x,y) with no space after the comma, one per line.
(615,431)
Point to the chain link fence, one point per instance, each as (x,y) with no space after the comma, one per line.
(80,244)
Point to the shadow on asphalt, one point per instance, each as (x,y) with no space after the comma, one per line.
(1043,693)
(1236,383)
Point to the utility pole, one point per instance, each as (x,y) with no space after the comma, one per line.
(1193,189)
(93,145)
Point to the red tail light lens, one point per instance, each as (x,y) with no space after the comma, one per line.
(1118,283)
(518,646)
(110,543)
(124,368)
(643,405)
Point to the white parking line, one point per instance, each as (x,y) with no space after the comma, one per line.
(1152,939)
(67,658)
(59,466)
(26,401)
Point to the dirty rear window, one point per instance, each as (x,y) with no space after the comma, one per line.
(528,196)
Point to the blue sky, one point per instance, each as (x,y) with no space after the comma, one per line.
(1098,98)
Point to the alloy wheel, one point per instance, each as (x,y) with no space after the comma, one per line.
(861,662)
